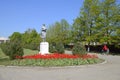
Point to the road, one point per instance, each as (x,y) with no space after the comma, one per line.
(109,70)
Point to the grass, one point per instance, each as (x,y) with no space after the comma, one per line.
(30,52)
(2,55)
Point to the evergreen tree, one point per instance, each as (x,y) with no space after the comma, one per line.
(16,36)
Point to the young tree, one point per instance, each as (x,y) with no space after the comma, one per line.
(59,32)
(13,49)
(65,31)
(78,30)
(16,36)
(31,39)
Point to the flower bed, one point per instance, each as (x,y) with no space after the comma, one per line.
(56,59)
(58,56)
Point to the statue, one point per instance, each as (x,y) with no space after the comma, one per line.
(44,46)
(43,33)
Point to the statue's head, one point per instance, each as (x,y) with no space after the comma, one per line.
(43,24)
(43,33)
(44,28)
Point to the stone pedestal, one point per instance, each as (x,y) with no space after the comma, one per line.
(44,48)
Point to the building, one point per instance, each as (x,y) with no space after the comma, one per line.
(3,39)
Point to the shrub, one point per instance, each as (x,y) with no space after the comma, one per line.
(56,47)
(12,49)
(79,49)
(52,48)
(60,47)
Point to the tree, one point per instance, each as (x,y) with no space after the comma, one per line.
(53,32)
(110,17)
(78,30)
(16,36)
(65,31)
(31,39)
(99,21)
(84,25)
(59,32)
(13,49)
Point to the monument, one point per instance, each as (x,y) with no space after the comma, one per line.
(44,46)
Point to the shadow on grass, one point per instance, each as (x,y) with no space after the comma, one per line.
(4,61)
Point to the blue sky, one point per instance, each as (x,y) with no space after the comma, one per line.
(19,15)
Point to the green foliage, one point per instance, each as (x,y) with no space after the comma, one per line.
(16,36)
(31,39)
(98,22)
(116,38)
(59,32)
(12,49)
(109,19)
(79,30)
(32,46)
(60,47)
(56,47)
(79,49)
(52,48)
(54,62)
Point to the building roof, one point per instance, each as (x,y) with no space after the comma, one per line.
(3,38)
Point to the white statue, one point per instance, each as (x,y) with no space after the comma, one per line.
(44,46)
(43,33)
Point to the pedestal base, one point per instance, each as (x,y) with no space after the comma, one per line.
(44,48)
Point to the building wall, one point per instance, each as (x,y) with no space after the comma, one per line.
(3,40)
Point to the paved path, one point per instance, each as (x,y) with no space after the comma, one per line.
(107,71)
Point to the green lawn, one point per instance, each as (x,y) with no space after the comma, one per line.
(30,52)
(26,52)
(2,55)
